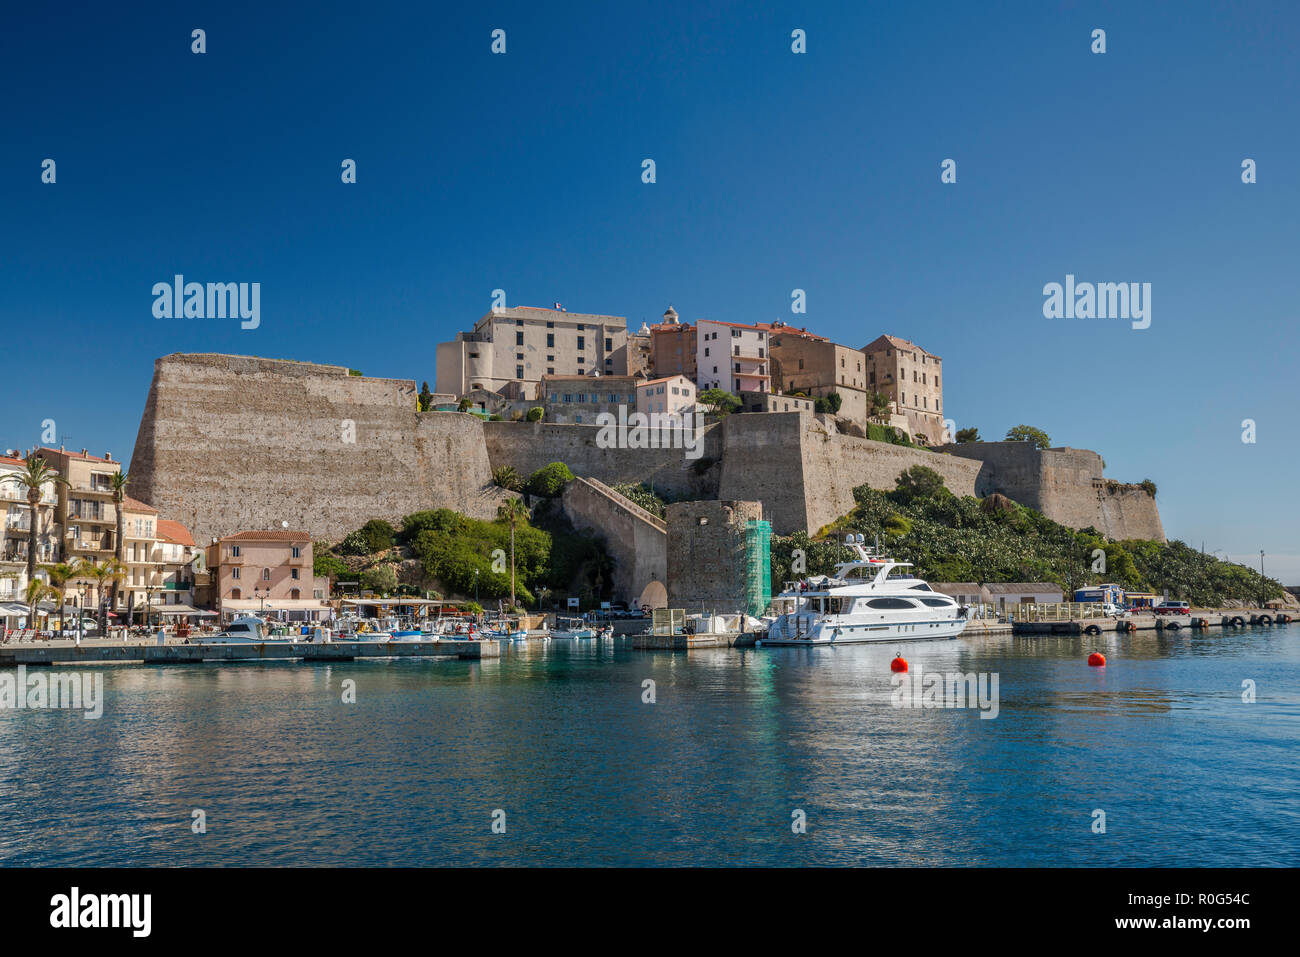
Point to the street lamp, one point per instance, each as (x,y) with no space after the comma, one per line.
(476,586)
(1262,596)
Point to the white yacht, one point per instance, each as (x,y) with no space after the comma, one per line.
(869,598)
(249,630)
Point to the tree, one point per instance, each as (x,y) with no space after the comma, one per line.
(118,482)
(835,401)
(1150,487)
(513,512)
(378,535)
(381,578)
(536,413)
(968,435)
(60,574)
(1027,433)
(35,475)
(549,480)
(505,476)
(464,405)
(36,592)
(879,407)
(426,397)
(103,576)
(918,483)
(719,402)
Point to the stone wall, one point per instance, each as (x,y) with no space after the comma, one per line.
(706,562)
(232,443)
(634,538)
(804,470)
(529,445)
(1067,485)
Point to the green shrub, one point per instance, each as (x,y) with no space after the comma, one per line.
(549,480)
(536,413)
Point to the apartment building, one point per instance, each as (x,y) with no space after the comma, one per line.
(142,587)
(85,513)
(578,399)
(815,366)
(732,356)
(182,565)
(912,378)
(774,402)
(516,347)
(267,573)
(669,395)
(15,529)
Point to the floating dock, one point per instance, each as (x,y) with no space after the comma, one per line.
(1220,618)
(51,653)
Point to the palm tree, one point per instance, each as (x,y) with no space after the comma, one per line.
(37,591)
(34,477)
(102,576)
(506,477)
(512,511)
(117,482)
(61,574)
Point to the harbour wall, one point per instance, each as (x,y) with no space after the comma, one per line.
(634,538)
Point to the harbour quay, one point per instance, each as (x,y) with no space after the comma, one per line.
(68,653)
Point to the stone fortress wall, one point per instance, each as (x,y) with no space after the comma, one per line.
(228,443)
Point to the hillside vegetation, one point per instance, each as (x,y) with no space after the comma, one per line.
(952,539)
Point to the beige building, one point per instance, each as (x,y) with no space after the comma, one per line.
(815,366)
(268,574)
(86,514)
(670,395)
(774,402)
(672,347)
(518,346)
(578,399)
(912,378)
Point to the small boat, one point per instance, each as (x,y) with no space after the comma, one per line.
(566,628)
(248,630)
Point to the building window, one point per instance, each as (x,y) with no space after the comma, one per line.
(609,344)
(800,363)
(519,323)
(706,352)
(234,551)
(519,356)
(581,327)
(550,325)
(550,371)
(293,573)
(550,340)
(266,574)
(234,572)
(582,342)
(297,552)
(519,372)
(234,593)
(519,338)
(295,594)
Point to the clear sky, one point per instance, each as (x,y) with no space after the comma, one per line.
(775,171)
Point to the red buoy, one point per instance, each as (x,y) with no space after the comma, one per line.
(1097,660)
(898,664)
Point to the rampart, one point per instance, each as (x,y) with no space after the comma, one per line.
(634,538)
(228,443)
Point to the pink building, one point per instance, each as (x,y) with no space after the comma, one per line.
(267,574)
(670,395)
(732,356)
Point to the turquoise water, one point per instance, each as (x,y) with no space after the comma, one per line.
(558,738)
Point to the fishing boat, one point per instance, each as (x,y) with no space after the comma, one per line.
(570,628)
(869,598)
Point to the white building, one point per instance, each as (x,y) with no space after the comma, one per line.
(16,517)
(732,356)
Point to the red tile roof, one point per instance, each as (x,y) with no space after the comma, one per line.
(130,504)
(5,460)
(174,532)
(277,535)
(77,455)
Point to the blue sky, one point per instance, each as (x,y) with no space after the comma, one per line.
(775,171)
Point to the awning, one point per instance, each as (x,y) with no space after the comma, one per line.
(273,604)
(183,610)
(13,608)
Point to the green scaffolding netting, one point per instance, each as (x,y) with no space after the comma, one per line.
(758,567)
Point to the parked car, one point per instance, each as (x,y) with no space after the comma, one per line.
(1112,610)
(1173,608)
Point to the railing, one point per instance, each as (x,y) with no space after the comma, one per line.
(1057,611)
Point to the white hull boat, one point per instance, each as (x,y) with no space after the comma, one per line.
(869,599)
